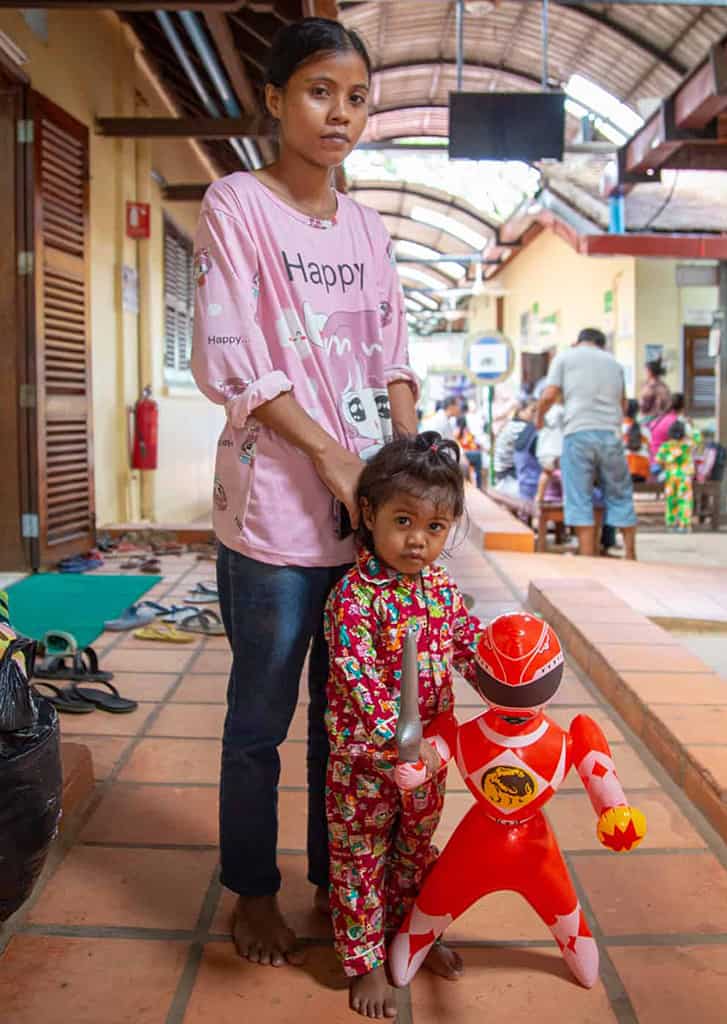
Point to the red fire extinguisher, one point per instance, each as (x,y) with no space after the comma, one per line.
(146,429)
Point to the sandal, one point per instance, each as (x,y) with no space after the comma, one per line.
(163,633)
(201,594)
(62,700)
(53,668)
(204,621)
(112,701)
(138,614)
(85,667)
(57,642)
(152,565)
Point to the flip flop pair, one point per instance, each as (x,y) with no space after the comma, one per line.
(201,593)
(82,700)
(204,621)
(164,633)
(83,667)
(136,615)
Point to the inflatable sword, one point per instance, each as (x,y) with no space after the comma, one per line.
(409,727)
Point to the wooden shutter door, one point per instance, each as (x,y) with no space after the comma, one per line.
(64,437)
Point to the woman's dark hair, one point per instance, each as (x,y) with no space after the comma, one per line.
(461,423)
(656,367)
(632,409)
(299,42)
(677,402)
(425,466)
(677,431)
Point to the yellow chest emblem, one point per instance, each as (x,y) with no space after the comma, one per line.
(507,787)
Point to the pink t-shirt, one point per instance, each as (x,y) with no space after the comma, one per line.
(285,302)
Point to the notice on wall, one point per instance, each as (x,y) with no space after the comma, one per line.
(652,353)
(129,289)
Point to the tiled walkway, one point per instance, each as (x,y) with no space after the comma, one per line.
(132,928)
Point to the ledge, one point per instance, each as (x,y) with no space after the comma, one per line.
(494,528)
(670,698)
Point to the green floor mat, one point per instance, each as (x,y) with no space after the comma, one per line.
(76,603)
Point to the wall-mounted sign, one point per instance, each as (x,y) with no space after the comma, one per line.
(137,220)
(489,358)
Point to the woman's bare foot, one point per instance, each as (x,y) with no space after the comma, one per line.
(444,961)
(260,933)
(371,995)
(321,901)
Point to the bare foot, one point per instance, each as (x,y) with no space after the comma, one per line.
(260,933)
(444,961)
(321,901)
(371,995)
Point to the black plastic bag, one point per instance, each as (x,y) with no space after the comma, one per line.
(31,780)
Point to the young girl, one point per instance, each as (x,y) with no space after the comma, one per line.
(411,495)
(300,335)
(676,457)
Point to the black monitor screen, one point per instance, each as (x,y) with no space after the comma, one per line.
(506,125)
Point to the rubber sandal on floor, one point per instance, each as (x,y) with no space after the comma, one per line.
(178,612)
(206,622)
(163,633)
(137,615)
(152,565)
(58,643)
(111,701)
(62,700)
(202,594)
(53,668)
(85,667)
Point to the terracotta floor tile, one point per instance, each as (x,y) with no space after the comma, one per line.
(656,893)
(683,983)
(499,917)
(230,991)
(684,688)
(88,981)
(292,820)
(613,614)
(144,686)
(574,822)
(132,643)
(296,901)
(200,720)
(98,885)
(638,658)
(217,643)
(714,760)
(155,815)
(299,725)
(697,724)
(631,770)
(564,716)
(104,723)
(164,658)
(105,752)
(572,691)
(509,985)
(487,610)
(213,662)
(162,760)
(203,689)
(293,764)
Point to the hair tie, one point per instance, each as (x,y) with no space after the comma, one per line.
(433,447)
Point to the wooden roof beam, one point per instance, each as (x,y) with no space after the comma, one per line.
(178,127)
(126,5)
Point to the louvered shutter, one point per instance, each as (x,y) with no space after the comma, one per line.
(62,344)
(178,304)
(700,377)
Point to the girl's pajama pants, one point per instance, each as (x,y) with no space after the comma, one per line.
(380,848)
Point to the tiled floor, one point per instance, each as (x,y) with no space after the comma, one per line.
(132,928)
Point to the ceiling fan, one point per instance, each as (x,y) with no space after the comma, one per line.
(478,287)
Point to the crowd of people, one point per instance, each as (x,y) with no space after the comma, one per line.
(575,438)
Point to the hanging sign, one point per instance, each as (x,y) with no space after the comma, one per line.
(137,220)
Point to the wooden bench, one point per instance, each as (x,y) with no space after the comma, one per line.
(707,502)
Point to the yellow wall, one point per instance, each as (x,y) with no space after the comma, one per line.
(88,68)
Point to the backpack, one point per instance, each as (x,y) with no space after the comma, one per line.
(634,437)
(715,457)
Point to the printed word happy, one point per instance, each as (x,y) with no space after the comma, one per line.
(342,275)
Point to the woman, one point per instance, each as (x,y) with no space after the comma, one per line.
(655,395)
(300,334)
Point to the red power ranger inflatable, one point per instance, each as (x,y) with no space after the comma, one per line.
(513,758)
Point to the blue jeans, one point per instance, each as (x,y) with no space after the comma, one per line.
(590,457)
(271,614)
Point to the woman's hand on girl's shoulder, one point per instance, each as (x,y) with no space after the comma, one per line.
(339,469)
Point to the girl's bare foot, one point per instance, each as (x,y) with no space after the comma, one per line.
(371,995)
(444,961)
(320,900)
(260,933)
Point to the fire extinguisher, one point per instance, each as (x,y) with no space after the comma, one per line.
(146,429)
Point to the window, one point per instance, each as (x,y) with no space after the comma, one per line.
(700,382)
(178,304)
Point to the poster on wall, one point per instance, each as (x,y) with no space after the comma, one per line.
(653,353)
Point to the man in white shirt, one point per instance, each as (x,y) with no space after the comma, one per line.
(590,384)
